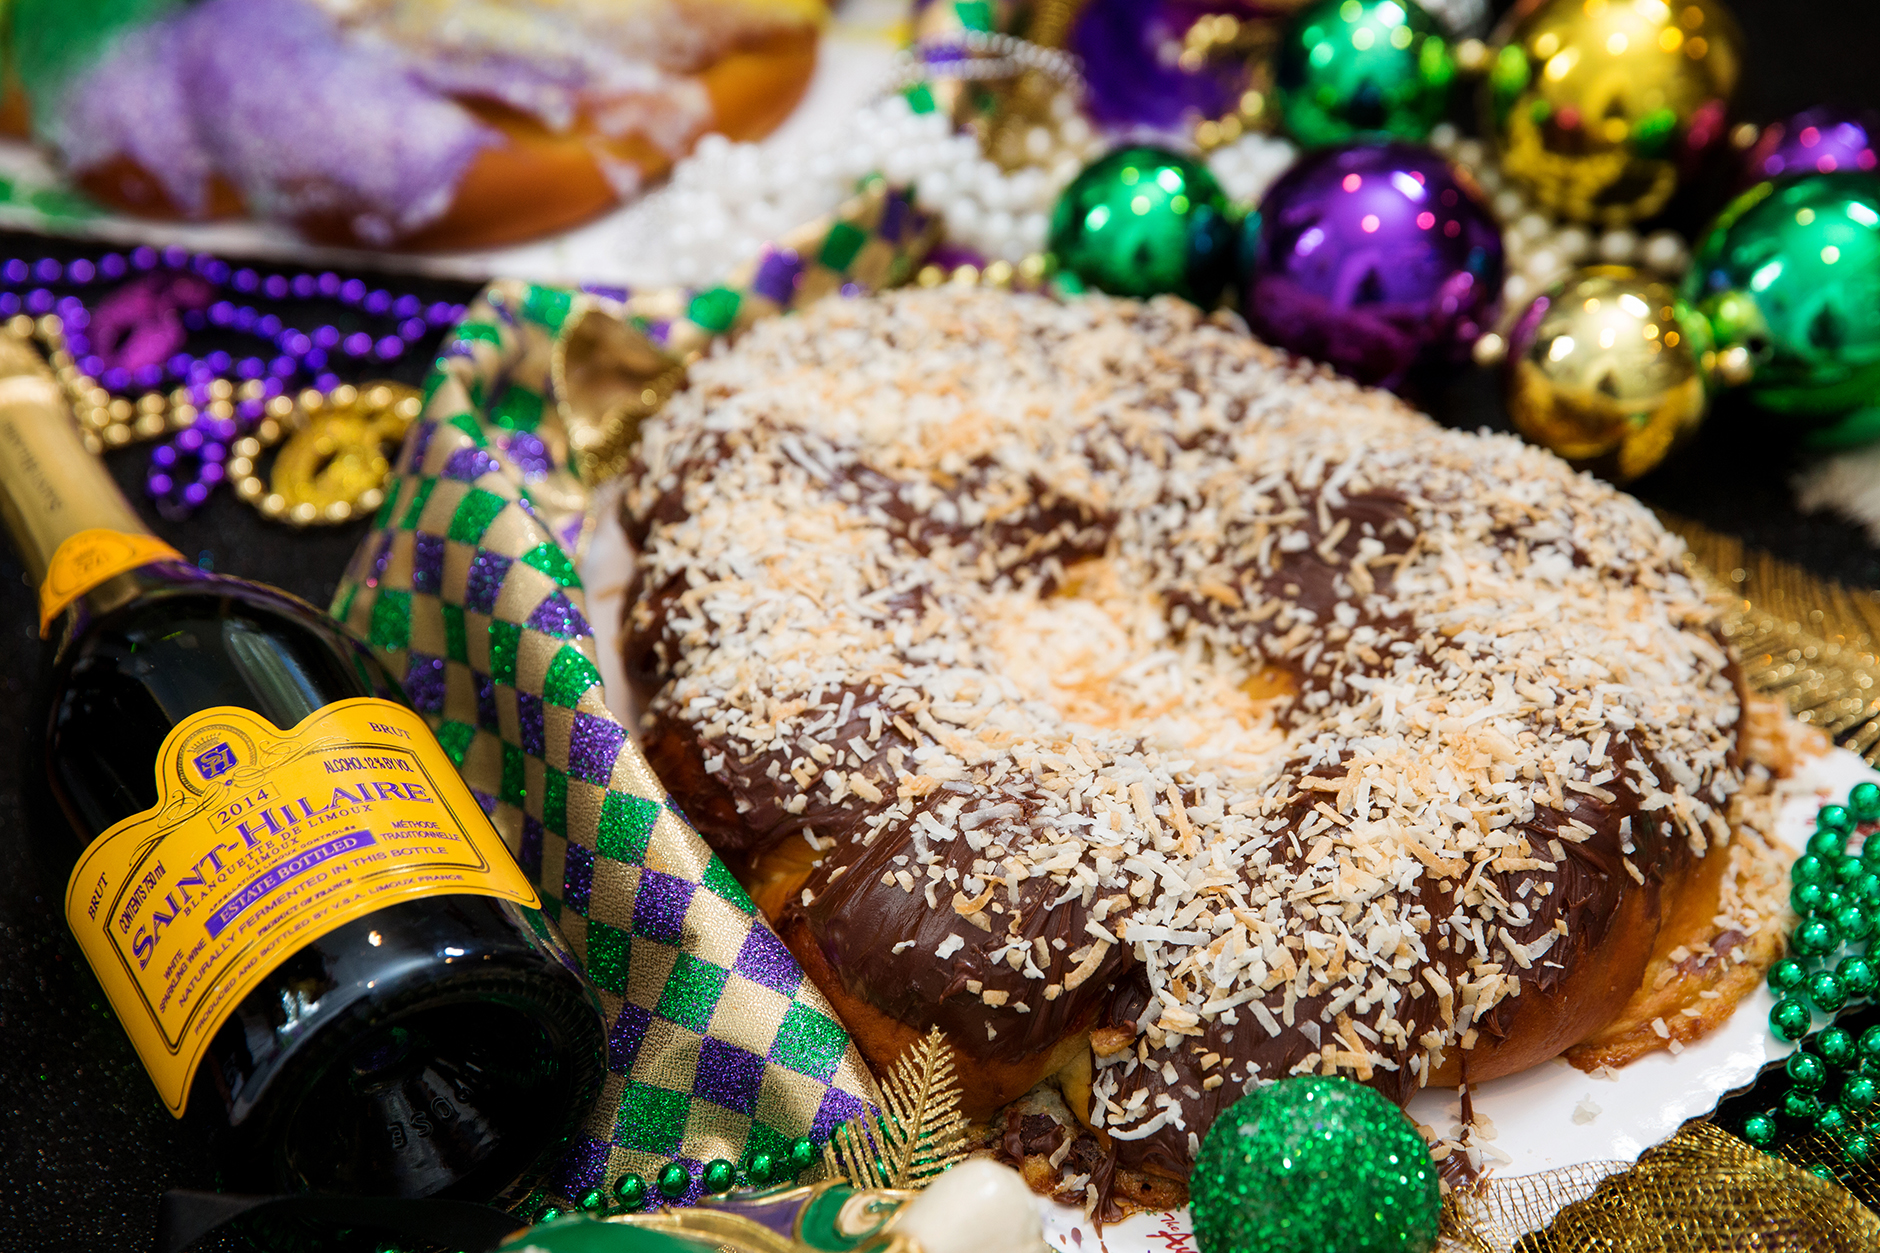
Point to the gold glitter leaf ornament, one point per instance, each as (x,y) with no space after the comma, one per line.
(919,1132)
(1814,643)
(1702,1191)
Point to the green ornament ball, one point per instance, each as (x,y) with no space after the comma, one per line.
(1362,69)
(1834,818)
(1858,1093)
(1869,1045)
(760,1168)
(1826,991)
(1144,221)
(1864,802)
(1831,1121)
(1314,1163)
(1848,870)
(1852,922)
(1799,1104)
(1857,1149)
(1760,1130)
(720,1175)
(1789,278)
(1808,868)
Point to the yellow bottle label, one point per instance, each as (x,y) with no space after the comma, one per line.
(87,559)
(262,842)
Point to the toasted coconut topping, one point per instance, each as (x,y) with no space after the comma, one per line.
(1310,732)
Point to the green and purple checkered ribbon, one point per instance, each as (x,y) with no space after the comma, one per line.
(718,1046)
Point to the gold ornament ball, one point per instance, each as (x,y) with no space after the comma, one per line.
(1601,106)
(1607,371)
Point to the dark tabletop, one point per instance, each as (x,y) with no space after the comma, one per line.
(85,1147)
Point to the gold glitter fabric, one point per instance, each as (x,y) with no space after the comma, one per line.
(1702,1191)
(467,589)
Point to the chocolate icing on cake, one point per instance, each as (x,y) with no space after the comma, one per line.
(876,538)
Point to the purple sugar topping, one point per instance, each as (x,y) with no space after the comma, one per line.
(270,94)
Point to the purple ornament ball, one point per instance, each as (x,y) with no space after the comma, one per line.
(1374,259)
(1820,140)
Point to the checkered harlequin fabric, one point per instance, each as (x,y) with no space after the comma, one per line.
(718,1046)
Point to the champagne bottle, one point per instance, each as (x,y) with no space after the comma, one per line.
(322,951)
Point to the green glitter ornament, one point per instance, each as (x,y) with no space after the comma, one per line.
(1362,69)
(1310,1164)
(1143,221)
(1789,278)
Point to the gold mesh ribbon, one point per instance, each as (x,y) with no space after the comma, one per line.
(1702,1191)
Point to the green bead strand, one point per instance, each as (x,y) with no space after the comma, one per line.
(1832,1122)
(1799,1104)
(1834,818)
(1760,1130)
(1826,992)
(1864,802)
(1786,976)
(630,1191)
(1806,1071)
(802,1155)
(1827,845)
(1808,899)
(1853,924)
(1790,1019)
(1814,938)
(720,1176)
(1836,1046)
(760,1168)
(1858,976)
(1848,870)
(591,1199)
(674,1179)
(1809,868)
(1858,1093)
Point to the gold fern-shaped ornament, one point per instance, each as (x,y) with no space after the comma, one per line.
(919,1131)
(1812,642)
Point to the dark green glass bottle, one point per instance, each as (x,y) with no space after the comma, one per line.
(396,1015)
